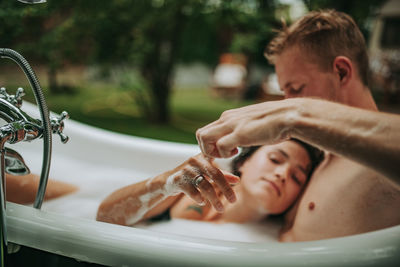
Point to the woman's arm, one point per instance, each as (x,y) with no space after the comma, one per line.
(137,202)
(151,197)
(368,137)
(22,189)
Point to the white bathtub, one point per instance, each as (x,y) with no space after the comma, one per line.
(99,162)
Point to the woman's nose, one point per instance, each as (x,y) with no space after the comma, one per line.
(282,172)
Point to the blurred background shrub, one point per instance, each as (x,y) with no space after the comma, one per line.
(146,67)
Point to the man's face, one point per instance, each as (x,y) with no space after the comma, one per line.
(299,77)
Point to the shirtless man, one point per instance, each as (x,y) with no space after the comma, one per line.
(356,188)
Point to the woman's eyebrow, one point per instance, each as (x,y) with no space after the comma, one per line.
(283,153)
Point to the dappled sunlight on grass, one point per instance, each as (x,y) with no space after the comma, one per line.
(118,102)
(106,106)
(199,106)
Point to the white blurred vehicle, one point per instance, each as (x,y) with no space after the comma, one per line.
(384,49)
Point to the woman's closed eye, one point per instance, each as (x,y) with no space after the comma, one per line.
(274,158)
(296,179)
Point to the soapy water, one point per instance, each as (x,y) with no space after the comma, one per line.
(266,231)
(97,181)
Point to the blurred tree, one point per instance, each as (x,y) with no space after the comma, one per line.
(361,11)
(150,35)
(254,30)
(46,33)
(157,41)
(156,35)
(144,34)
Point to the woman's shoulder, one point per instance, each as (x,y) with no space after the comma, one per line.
(186,208)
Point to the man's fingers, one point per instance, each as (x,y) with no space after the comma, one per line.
(212,150)
(227,146)
(234,152)
(208,136)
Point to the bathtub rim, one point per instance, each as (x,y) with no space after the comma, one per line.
(59,234)
(115,245)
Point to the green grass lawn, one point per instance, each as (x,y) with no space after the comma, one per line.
(98,102)
(104,105)
(109,108)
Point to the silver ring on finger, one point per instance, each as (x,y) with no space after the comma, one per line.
(197,180)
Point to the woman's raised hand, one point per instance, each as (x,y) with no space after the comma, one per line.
(200,179)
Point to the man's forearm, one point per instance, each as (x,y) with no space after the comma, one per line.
(368,137)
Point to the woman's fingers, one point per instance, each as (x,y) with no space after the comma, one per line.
(208,191)
(201,191)
(214,174)
(194,194)
(231,178)
(200,179)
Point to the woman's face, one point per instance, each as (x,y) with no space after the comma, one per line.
(275,174)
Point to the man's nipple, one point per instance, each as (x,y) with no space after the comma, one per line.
(311,205)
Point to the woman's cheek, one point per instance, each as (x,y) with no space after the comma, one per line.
(293,193)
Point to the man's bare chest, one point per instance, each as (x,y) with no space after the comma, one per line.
(345,198)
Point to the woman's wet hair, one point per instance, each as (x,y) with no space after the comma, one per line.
(316,156)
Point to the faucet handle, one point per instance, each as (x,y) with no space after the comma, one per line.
(16,99)
(57,126)
(3,91)
(4,94)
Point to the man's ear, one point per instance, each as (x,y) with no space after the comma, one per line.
(343,67)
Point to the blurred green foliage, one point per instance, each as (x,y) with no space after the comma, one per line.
(152,36)
(361,10)
(149,37)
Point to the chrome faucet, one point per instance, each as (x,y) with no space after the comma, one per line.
(22,127)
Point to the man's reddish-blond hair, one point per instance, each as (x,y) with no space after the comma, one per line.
(323,35)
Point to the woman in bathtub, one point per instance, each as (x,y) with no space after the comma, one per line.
(22,189)
(271,179)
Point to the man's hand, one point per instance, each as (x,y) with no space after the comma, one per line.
(264,123)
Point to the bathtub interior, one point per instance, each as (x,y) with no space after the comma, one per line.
(99,162)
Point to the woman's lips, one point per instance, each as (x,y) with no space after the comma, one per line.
(278,191)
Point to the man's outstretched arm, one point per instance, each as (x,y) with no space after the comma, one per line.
(368,137)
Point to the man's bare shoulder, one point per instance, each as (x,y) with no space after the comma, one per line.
(344,198)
